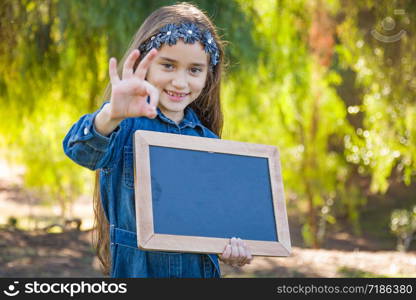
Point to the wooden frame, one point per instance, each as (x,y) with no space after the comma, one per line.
(147,239)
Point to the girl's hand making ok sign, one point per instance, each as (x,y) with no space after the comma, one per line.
(129,93)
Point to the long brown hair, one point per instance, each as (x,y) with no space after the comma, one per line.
(207,106)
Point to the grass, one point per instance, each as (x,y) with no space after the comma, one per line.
(357,273)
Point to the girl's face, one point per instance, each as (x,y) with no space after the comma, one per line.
(179,73)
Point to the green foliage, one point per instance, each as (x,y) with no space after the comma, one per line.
(385,74)
(357,273)
(351,200)
(12,222)
(403,226)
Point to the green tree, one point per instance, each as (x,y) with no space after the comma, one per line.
(384,139)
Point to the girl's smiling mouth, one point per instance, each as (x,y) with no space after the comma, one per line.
(174,96)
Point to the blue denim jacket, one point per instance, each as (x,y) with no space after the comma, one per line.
(113,155)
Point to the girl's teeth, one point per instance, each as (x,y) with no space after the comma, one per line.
(176,95)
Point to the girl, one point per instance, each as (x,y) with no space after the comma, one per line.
(170,83)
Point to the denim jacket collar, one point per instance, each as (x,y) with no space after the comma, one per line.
(190,118)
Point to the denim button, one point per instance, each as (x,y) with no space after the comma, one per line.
(86,131)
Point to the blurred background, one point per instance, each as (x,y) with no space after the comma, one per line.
(330,83)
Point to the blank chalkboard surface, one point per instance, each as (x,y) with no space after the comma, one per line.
(193,194)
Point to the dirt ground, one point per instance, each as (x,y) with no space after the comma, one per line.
(69,254)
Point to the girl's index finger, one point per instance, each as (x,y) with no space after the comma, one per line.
(144,65)
(129,63)
(112,70)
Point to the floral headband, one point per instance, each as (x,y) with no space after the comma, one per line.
(189,32)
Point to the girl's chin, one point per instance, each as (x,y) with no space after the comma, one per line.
(166,106)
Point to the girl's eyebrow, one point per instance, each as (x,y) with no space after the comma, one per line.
(174,61)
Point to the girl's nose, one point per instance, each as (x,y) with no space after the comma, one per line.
(179,81)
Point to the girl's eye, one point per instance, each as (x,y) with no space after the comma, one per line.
(168,66)
(195,70)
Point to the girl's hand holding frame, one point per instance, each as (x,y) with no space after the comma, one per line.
(236,253)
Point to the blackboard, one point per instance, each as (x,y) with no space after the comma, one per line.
(193,194)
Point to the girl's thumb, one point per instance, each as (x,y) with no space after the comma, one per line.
(151,111)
